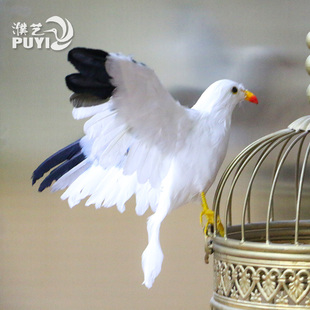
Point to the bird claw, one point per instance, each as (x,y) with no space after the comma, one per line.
(208,228)
(209,216)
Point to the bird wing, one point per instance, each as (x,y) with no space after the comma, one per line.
(136,123)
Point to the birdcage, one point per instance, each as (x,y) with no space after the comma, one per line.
(263,259)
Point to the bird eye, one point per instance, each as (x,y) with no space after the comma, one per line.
(234,90)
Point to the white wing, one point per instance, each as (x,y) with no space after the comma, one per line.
(140,127)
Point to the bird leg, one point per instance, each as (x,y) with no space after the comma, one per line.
(209,214)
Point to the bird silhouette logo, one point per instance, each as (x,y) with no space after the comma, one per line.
(64,35)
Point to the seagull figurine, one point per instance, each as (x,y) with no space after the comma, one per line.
(140,140)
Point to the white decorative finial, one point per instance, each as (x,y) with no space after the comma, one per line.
(308,92)
(308,39)
(308,64)
(302,123)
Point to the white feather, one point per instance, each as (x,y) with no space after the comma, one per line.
(84,112)
(71,175)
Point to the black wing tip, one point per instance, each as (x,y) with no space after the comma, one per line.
(37,174)
(81,84)
(35,177)
(47,182)
(42,187)
(81,56)
(62,169)
(62,156)
(93,78)
(77,52)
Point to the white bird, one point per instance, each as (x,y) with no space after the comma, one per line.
(140,141)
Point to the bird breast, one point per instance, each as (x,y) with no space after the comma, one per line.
(197,163)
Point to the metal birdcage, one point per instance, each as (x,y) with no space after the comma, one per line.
(263,259)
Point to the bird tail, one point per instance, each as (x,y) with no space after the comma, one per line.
(64,160)
(152,257)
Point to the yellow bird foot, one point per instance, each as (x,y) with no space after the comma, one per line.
(209,215)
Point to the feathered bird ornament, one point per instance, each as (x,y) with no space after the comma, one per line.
(139,140)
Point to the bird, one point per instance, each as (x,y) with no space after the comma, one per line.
(140,141)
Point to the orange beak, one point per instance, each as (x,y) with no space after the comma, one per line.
(248,96)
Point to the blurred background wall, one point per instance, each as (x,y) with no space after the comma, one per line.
(53,257)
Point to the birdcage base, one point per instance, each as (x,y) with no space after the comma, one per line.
(257,274)
(220,305)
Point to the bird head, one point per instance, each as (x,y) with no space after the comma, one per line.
(224,95)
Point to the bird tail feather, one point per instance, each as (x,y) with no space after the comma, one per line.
(152,257)
(68,178)
(105,187)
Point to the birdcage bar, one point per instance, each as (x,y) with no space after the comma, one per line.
(268,149)
(297,165)
(275,179)
(275,169)
(247,208)
(300,188)
(230,167)
(242,154)
(242,159)
(296,169)
(247,201)
(270,143)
